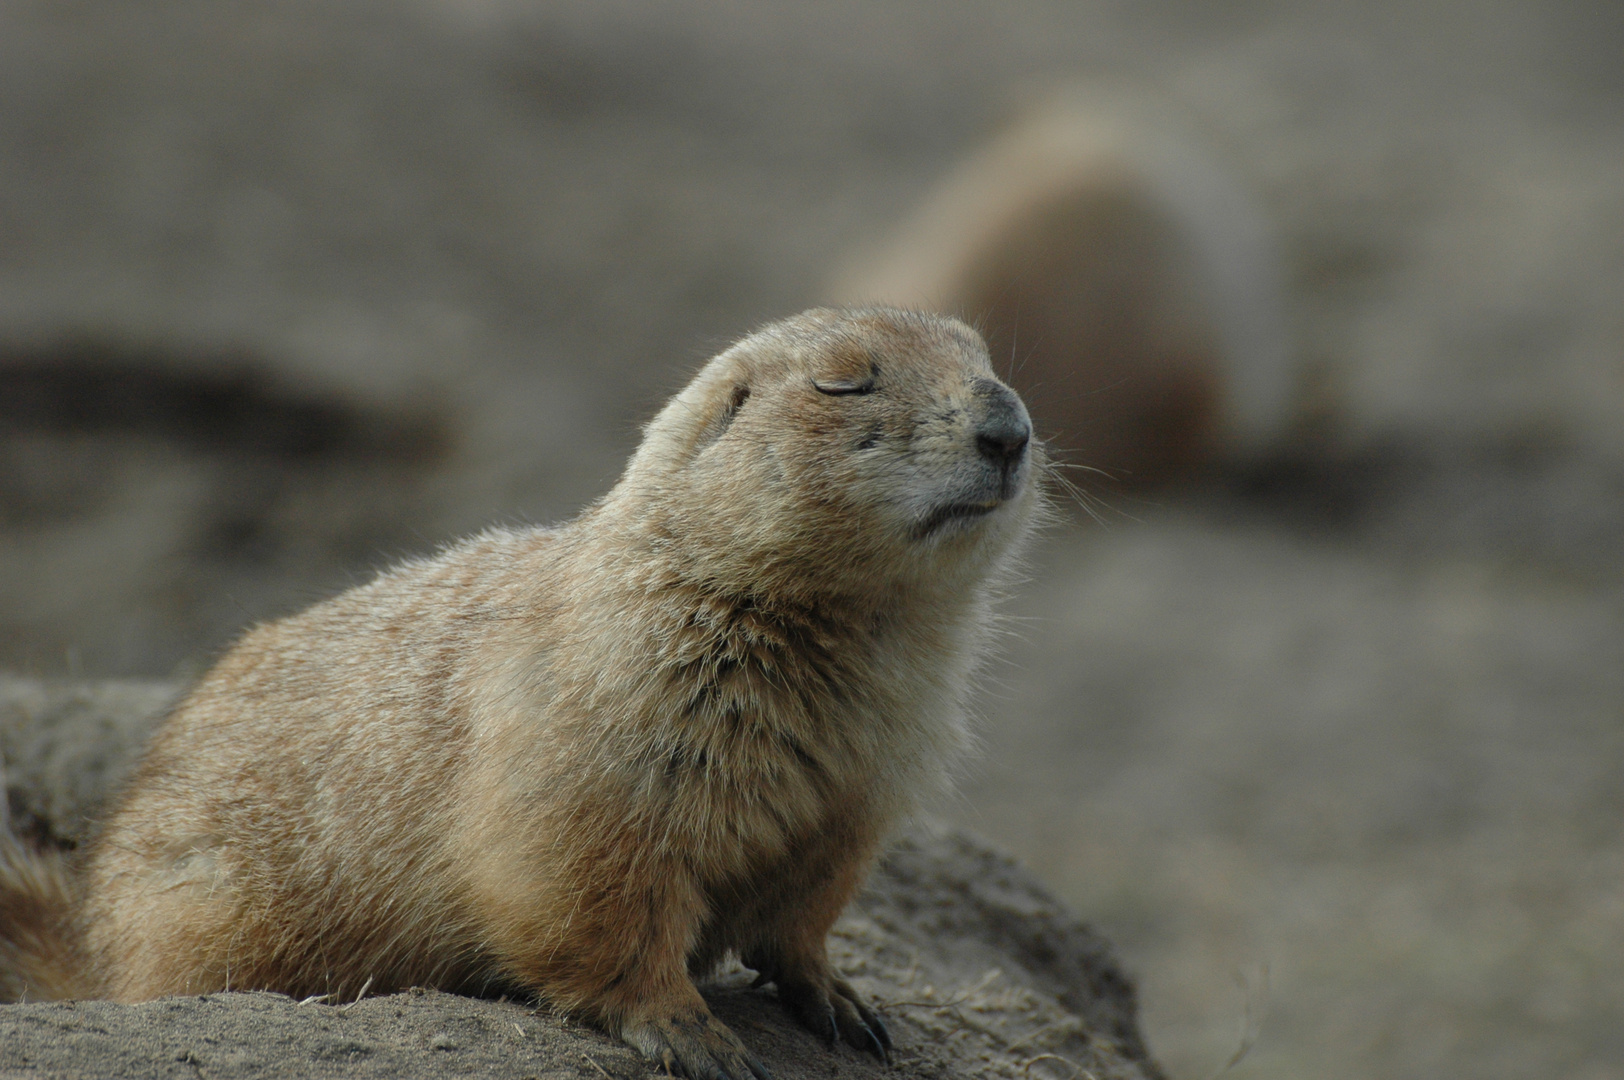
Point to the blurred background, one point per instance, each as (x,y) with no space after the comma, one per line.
(1325,730)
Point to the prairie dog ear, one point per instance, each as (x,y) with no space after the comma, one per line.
(722,418)
(699,415)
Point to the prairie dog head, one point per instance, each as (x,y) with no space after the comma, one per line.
(838,452)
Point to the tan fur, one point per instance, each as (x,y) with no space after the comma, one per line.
(590,762)
(37,957)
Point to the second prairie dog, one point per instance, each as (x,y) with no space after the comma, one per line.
(590,762)
(1127,285)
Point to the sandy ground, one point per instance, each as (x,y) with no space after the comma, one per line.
(1350,717)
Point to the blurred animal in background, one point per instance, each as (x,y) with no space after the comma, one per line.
(1125,279)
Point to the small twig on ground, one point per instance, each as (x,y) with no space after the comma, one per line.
(364,988)
(1033,1036)
(950,1003)
(1078,1070)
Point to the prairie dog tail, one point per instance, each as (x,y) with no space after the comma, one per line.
(39,960)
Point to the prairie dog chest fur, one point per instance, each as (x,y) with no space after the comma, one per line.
(589,760)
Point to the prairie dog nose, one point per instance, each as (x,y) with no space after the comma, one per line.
(1004,430)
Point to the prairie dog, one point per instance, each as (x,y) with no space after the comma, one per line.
(589,762)
(1128,281)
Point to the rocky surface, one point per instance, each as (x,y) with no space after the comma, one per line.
(66,745)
